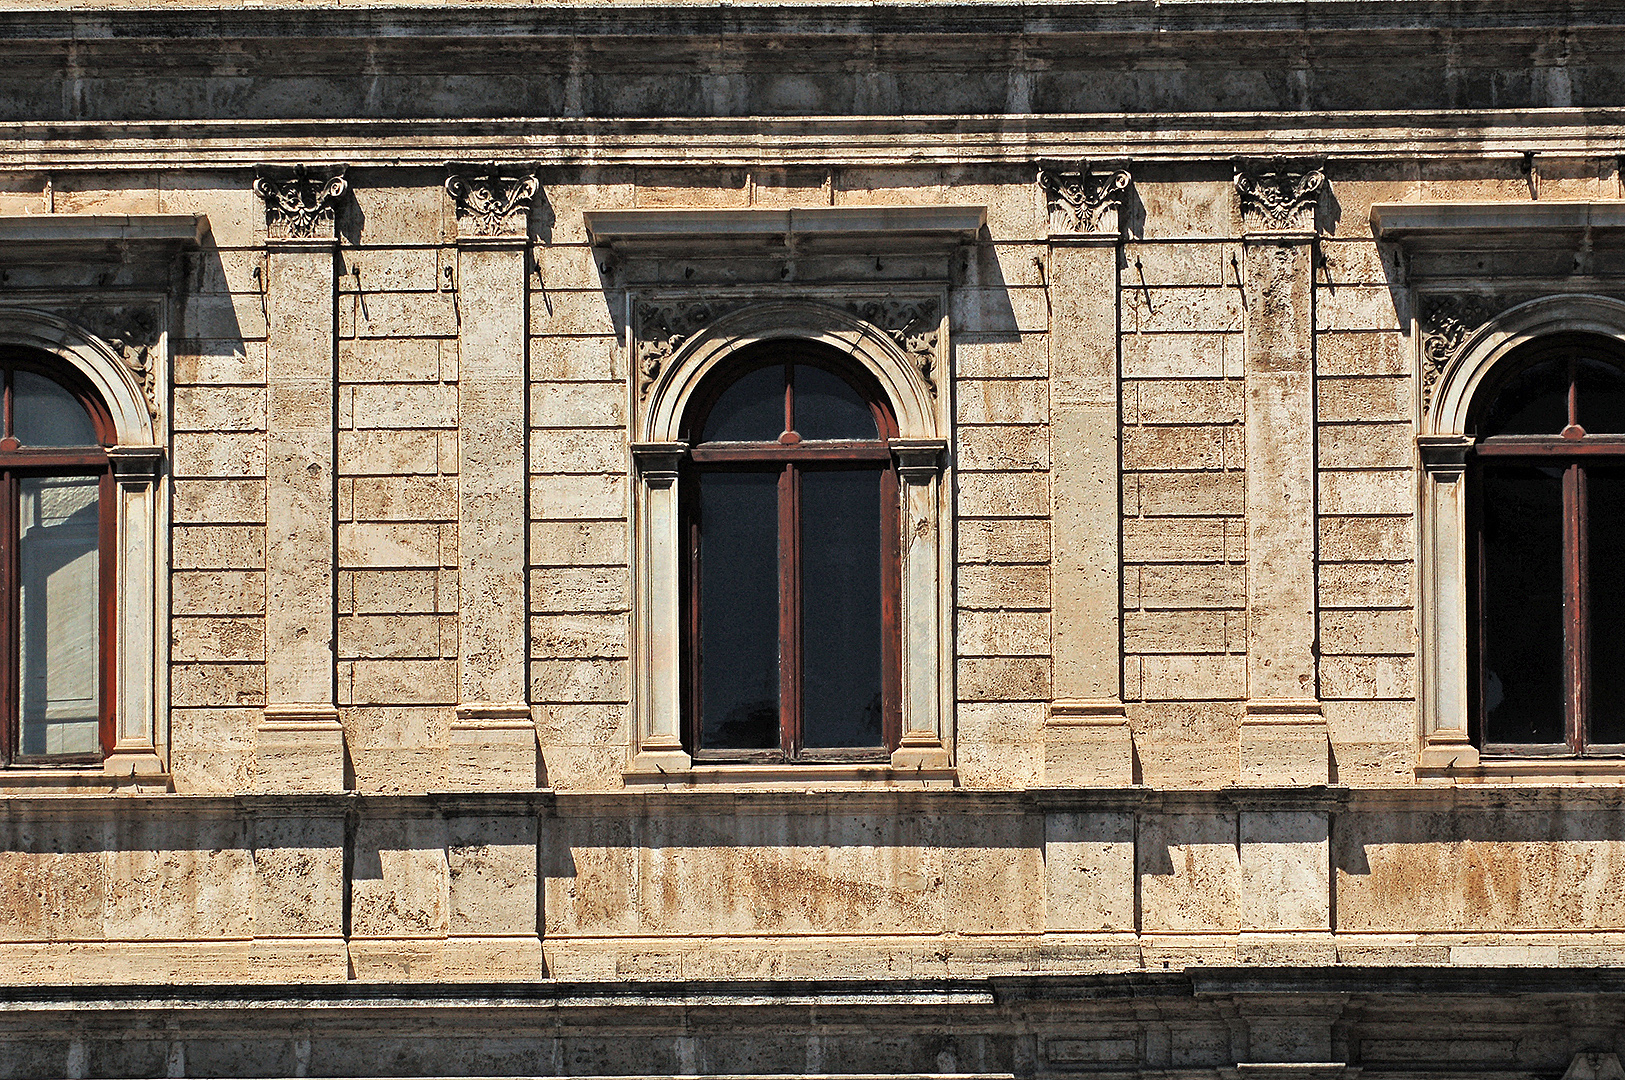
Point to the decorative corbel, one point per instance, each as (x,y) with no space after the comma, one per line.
(301,201)
(492,198)
(1081,200)
(1279,194)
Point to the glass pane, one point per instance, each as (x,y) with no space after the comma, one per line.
(57,609)
(1523,604)
(44,414)
(1533,402)
(751,410)
(739,611)
(827,408)
(840,609)
(1601,397)
(1605,491)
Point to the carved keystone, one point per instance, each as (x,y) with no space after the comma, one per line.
(492,198)
(301,201)
(1081,200)
(1279,194)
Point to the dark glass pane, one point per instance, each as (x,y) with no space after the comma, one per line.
(739,610)
(56,614)
(840,609)
(1535,401)
(1523,604)
(751,410)
(1605,492)
(44,414)
(827,408)
(1601,397)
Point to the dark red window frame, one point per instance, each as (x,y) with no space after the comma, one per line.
(791,457)
(16,462)
(1577,453)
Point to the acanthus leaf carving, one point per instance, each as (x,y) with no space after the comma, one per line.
(914,325)
(1280,194)
(1447,321)
(300,200)
(661,329)
(492,198)
(1082,201)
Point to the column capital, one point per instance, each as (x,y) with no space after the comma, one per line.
(1084,200)
(492,199)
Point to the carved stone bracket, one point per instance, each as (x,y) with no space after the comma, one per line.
(1082,201)
(301,201)
(492,198)
(1279,194)
(914,324)
(1447,321)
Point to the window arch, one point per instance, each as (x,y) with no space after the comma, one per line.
(791,540)
(1547,550)
(57,564)
(912,417)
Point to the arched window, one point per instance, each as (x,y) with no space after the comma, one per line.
(1547,555)
(791,530)
(56,564)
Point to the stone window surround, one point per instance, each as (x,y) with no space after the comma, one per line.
(1434,236)
(923,408)
(140,750)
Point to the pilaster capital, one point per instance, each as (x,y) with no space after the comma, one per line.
(658,461)
(918,460)
(301,201)
(1279,196)
(1084,200)
(492,198)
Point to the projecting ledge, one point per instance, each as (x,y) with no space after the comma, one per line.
(863,229)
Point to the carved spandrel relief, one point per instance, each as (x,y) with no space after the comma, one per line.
(914,324)
(301,201)
(492,198)
(1446,322)
(662,326)
(1279,194)
(1081,201)
(132,331)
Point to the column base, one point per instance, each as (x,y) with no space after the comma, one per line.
(299,748)
(1284,743)
(493,748)
(1088,743)
(1448,750)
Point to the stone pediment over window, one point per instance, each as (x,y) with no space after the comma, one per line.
(859,230)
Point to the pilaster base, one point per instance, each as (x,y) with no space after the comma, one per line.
(1284,742)
(1448,750)
(299,748)
(1088,743)
(493,748)
(919,751)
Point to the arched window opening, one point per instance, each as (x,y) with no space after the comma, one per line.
(792,591)
(56,565)
(1548,522)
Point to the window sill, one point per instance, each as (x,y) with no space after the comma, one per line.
(120,775)
(788,777)
(1551,770)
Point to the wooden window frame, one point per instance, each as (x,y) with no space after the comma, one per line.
(791,457)
(1575,452)
(17,462)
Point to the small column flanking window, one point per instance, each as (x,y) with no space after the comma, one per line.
(1547,521)
(791,535)
(57,564)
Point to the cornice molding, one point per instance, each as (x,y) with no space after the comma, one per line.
(824,229)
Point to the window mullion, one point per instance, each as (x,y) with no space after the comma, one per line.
(789,609)
(1577,624)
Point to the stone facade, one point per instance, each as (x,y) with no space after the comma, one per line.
(1175,304)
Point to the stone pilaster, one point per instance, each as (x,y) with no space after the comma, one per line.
(491,745)
(1283,733)
(300,745)
(1086,738)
